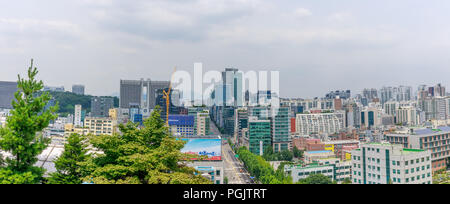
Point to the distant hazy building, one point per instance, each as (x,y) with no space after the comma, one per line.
(370,93)
(401,93)
(339,93)
(434,107)
(232,90)
(407,116)
(7,90)
(54,88)
(142,92)
(161,101)
(439,90)
(78,89)
(100,106)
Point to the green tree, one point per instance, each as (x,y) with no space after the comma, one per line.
(316,179)
(67,166)
(286,155)
(147,155)
(261,169)
(347,181)
(20,135)
(297,153)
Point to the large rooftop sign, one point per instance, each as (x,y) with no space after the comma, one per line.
(210,149)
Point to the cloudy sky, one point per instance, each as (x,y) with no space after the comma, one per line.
(317,45)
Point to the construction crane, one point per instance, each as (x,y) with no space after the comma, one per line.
(167,97)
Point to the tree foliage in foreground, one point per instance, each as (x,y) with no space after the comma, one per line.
(316,179)
(68,170)
(20,136)
(147,155)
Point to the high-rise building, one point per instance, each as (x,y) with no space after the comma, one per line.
(77,116)
(439,90)
(435,108)
(353,111)
(407,116)
(264,98)
(281,137)
(370,93)
(259,135)
(162,103)
(100,106)
(241,123)
(326,123)
(202,123)
(233,94)
(181,125)
(7,90)
(194,112)
(422,92)
(339,93)
(379,163)
(78,89)
(371,117)
(401,93)
(141,92)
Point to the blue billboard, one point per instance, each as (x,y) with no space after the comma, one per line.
(212,148)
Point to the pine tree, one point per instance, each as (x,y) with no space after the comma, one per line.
(21,136)
(67,165)
(147,155)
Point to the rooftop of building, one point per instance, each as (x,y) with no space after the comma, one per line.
(319,152)
(399,148)
(425,131)
(341,141)
(310,166)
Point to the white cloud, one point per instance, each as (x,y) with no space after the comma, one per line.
(301,12)
(341,17)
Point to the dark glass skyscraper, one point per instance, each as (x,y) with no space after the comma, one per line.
(7,90)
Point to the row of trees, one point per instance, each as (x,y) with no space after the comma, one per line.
(261,169)
(146,155)
(285,155)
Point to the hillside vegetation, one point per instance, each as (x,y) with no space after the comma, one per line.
(68,100)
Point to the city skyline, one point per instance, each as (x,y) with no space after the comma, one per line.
(322,47)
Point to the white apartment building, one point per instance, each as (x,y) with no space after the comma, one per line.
(203,123)
(320,123)
(77,116)
(407,116)
(298,172)
(384,163)
(371,116)
(100,126)
(342,169)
